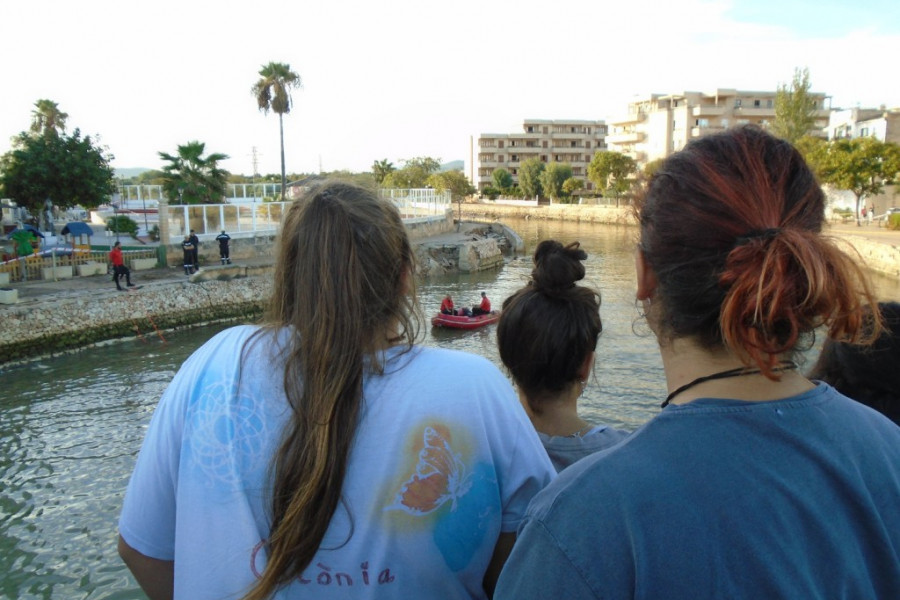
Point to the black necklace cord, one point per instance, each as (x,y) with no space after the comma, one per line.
(739,372)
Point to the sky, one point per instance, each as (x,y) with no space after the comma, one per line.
(399,79)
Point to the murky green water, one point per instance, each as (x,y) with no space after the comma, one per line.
(70,427)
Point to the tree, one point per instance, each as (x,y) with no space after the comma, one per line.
(861,165)
(530,177)
(381,169)
(413,174)
(69,170)
(191,178)
(47,119)
(611,172)
(572,185)
(553,177)
(795,108)
(502,178)
(454,182)
(273,92)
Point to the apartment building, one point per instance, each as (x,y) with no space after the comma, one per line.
(660,124)
(567,141)
(879,123)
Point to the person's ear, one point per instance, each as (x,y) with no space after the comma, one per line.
(646,277)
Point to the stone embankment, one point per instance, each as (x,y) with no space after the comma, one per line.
(587,213)
(56,325)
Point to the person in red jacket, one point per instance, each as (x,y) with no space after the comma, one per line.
(119,268)
(484,308)
(447,306)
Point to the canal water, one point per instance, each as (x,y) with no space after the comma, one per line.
(70,427)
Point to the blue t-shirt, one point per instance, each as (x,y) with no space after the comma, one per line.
(440,465)
(793,498)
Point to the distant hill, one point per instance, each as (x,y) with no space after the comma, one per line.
(453,165)
(130,172)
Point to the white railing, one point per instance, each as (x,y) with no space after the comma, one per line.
(265,217)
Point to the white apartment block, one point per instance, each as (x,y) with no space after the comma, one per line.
(879,123)
(568,141)
(660,124)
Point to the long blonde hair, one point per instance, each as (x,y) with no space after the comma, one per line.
(344,291)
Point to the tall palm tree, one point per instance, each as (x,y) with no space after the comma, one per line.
(47,119)
(273,92)
(192,178)
(381,169)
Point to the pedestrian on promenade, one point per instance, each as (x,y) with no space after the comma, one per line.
(753,481)
(119,268)
(325,449)
(223,239)
(547,335)
(187,250)
(195,258)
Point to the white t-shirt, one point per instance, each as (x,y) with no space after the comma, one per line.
(444,460)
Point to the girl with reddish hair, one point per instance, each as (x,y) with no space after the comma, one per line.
(753,482)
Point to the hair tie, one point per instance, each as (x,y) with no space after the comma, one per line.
(759,234)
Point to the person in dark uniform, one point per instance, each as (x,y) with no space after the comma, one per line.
(195,259)
(223,239)
(189,249)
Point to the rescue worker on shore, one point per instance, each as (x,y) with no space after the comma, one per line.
(223,239)
(188,248)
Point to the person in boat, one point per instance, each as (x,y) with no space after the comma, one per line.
(309,455)
(484,308)
(547,336)
(447,306)
(869,375)
(753,481)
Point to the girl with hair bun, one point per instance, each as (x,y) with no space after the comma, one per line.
(753,481)
(324,454)
(547,335)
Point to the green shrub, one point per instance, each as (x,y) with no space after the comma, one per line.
(490,192)
(893,221)
(122,224)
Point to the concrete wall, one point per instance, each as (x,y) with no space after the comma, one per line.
(558,212)
(68,323)
(250,246)
(878,256)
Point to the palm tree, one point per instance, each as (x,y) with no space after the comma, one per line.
(192,178)
(47,119)
(381,169)
(273,92)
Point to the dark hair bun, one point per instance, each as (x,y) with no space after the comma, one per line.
(557,267)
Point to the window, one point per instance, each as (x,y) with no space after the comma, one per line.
(500,158)
(737,103)
(572,144)
(513,158)
(769,103)
(499,144)
(587,144)
(756,103)
(530,129)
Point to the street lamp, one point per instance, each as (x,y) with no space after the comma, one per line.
(115,203)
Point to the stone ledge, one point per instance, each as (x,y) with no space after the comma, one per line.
(56,273)
(91,268)
(143,264)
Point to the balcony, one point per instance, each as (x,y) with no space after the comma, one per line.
(629,137)
(708,111)
(630,119)
(754,112)
(705,130)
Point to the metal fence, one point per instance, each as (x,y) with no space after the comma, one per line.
(265,217)
(32,267)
